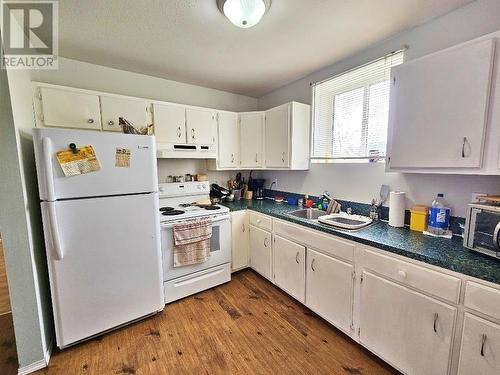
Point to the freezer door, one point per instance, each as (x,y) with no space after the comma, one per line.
(106,268)
(140,176)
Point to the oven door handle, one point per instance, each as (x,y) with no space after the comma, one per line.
(496,232)
(214,220)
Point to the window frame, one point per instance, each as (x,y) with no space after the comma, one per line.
(365,84)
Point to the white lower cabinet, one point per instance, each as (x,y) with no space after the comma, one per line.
(409,330)
(260,251)
(239,240)
(329,289)
(289,267)
(480,350)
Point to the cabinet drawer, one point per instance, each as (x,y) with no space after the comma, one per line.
(424,279)
(261,221)
(314,239)
(483,298)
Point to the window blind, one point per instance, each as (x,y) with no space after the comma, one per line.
(350,111)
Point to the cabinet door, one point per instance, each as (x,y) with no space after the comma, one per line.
(411,331)
(277,137)
(70,109)
(134,111)
(239,240)
(251,132)
(480,352)
(289,267)
(170,123)
(228,140)
(260,251)
(201,126)
(329,289)
(438,109)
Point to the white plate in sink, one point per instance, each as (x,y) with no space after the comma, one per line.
(345,221)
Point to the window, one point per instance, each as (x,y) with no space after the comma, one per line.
(350,112)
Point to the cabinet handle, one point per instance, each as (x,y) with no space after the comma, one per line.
(256,157)
(266,242)
(111,123)
(179,132)
(192,134)
(283,157)
(312,264)
(464,143)
(402,274)
(232,158)
(436,316)
(243,228)
(90,120)
(483,341)
(297,257)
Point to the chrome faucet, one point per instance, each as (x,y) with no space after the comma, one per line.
(325,195)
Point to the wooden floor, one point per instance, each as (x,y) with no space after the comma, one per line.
(8,354)
(247,326)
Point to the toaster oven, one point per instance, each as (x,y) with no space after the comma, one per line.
(482,228)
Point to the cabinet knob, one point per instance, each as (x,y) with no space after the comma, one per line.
(297,257)
(312,264)
(266,242)
(111,123)
(90,120)
(243,228)
(258,221)
(402,274)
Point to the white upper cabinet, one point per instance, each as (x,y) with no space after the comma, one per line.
(201,126)
(169,123)
(251,132)
(277,137)
(439,110)
(67,109)
(134,111)
(229,140)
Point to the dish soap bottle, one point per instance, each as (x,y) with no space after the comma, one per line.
(439,216)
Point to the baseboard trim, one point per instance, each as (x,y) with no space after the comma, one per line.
(38,365)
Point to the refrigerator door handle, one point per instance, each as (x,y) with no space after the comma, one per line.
(48,172)
(54,230)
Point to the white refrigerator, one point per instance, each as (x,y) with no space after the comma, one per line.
(102,232)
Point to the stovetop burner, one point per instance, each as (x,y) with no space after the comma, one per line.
(163,209)
(172,212)
(212,208)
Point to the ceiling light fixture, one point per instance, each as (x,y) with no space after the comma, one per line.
(244,13)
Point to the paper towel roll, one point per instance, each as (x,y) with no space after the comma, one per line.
(397,207)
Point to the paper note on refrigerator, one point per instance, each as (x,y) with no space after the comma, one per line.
(122,158)
(80,161)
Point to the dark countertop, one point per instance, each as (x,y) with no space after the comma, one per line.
(441,252)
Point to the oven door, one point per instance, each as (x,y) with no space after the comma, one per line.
(220,248)
(483,231)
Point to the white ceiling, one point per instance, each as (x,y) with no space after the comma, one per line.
(191,41)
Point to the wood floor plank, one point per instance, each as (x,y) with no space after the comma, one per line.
(247,326)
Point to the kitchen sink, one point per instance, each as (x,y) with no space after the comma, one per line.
(308,213)
(345,220)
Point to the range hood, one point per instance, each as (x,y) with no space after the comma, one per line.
(185,151)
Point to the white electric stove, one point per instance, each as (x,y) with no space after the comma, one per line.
(177,204)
